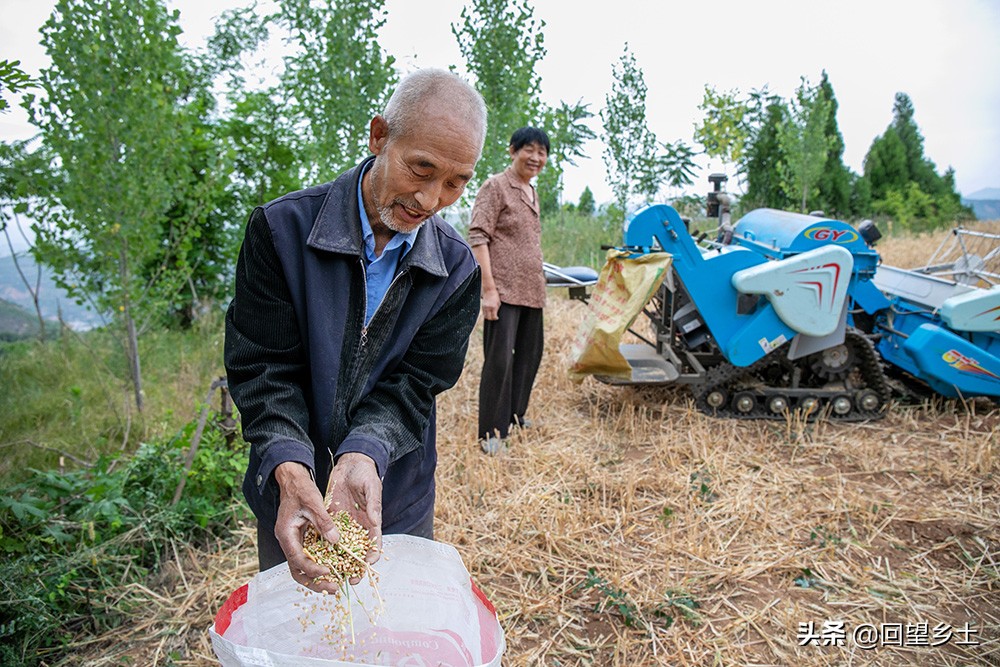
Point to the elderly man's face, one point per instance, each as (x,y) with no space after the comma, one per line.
(417,174)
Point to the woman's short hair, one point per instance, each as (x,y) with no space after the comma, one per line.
(529,135)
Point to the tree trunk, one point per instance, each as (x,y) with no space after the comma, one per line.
(131,336)
(38,278)
(134,366)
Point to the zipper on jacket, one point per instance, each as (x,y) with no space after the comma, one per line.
(364,325)
(364,303)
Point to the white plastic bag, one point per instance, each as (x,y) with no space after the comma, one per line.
(431,614)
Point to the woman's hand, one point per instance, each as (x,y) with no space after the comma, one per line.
(491,303)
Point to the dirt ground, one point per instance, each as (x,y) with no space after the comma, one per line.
(625,528)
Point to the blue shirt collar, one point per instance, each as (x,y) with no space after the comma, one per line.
(398,239)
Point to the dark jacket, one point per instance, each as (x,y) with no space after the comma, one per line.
(311,381)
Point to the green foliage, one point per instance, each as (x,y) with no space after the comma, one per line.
(726,126)
(911,209)
(628,141)
(701,484)
(903,185)
(238,32)
(635,167)
(66,396)
(629,145)
(674,166)
(501,43)
(572,238)
(261,135)
(833,188)
(339,77)
(764,159)
(611,597)
(804,141)
(16,323)
(885,165)
(586,205)
(743,130)
(918,168)
(823,537)
(73,542)
(790,155)
(12,79)
(262,140)
(567,132)
(675,603)
(121,166)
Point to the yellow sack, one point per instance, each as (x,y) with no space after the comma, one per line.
(625,286)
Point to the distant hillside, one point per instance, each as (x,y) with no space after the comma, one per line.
(16,322)
(985,193)
(984,209)
(985,203)
(51,298)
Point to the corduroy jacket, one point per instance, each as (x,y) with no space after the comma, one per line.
(311,381)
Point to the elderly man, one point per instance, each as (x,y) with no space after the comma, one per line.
(353,308)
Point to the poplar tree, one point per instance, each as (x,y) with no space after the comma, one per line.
(804,141)
(636,166)
(110,115)
(502,42)
(337,78)
(629,144)
(834,184)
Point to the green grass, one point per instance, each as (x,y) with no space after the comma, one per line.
(87,483)
(68,397)
(572,239)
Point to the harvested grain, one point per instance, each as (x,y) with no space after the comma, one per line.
(346,557)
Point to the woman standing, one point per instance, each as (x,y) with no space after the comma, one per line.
(506,238)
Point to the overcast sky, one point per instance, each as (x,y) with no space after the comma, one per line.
(945,54)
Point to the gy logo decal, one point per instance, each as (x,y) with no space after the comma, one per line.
(832,235)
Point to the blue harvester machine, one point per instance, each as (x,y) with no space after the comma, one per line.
(783,311)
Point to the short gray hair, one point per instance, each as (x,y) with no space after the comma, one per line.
(414,89)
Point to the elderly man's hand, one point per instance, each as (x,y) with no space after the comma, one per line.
(301,504)
(356,488)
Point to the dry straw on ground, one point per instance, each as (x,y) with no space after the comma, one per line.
(625,528)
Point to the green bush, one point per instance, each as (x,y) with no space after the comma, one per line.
(913,210)
(72,542)
(570,238)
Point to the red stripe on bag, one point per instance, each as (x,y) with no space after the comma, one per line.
(482,597)
(488,624)
(225,615)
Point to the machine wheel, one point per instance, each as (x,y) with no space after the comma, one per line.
(778,405)
(809,405)
(841,404)
(868,400)
(717,399)
(744,402)
(834,363)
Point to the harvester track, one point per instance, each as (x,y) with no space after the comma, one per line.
(775,386)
